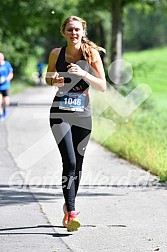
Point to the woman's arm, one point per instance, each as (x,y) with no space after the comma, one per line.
(52,77)
(97,80)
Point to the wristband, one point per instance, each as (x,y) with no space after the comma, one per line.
(51,81)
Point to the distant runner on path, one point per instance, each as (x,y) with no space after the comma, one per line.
(6,75)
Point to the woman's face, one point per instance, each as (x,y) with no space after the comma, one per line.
(74,32)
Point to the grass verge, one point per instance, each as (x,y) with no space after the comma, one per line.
(140,137)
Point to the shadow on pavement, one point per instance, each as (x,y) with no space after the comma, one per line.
(11,195)
(5,231)
(25,194)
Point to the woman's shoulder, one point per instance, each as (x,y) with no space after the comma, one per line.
(55,52)
(95,51)
(95,54)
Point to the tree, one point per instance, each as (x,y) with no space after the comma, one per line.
(27,25)
(117,9)
(144,29)
(20,27)
(24,25)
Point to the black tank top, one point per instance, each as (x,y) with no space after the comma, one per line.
(72,83)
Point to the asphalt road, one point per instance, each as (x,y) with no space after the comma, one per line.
(122,208)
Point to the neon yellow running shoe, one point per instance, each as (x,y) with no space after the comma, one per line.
(73,222)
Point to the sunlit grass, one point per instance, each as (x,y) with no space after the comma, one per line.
(141,137)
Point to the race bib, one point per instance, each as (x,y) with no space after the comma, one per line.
(2,79)
(72,102)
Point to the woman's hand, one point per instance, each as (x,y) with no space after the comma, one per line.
(77,70)
(58,81)
(52,76)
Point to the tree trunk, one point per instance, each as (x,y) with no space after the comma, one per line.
(102,39)
(116,42)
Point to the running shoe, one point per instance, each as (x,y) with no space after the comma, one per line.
(65,219)
(73,222)
(1,118)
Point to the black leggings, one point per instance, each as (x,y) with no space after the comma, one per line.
(72,135)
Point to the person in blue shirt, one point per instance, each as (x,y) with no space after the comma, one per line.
(40,68)
(6,75)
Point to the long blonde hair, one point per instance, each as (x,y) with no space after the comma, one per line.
(86,44)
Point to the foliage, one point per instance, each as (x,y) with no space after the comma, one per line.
(32,28)
(144,28)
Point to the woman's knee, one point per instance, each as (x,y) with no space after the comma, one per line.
(69,167)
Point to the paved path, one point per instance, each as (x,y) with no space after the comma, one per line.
(123,208)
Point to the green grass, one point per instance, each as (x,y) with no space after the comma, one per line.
(141,137)
(18,86)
